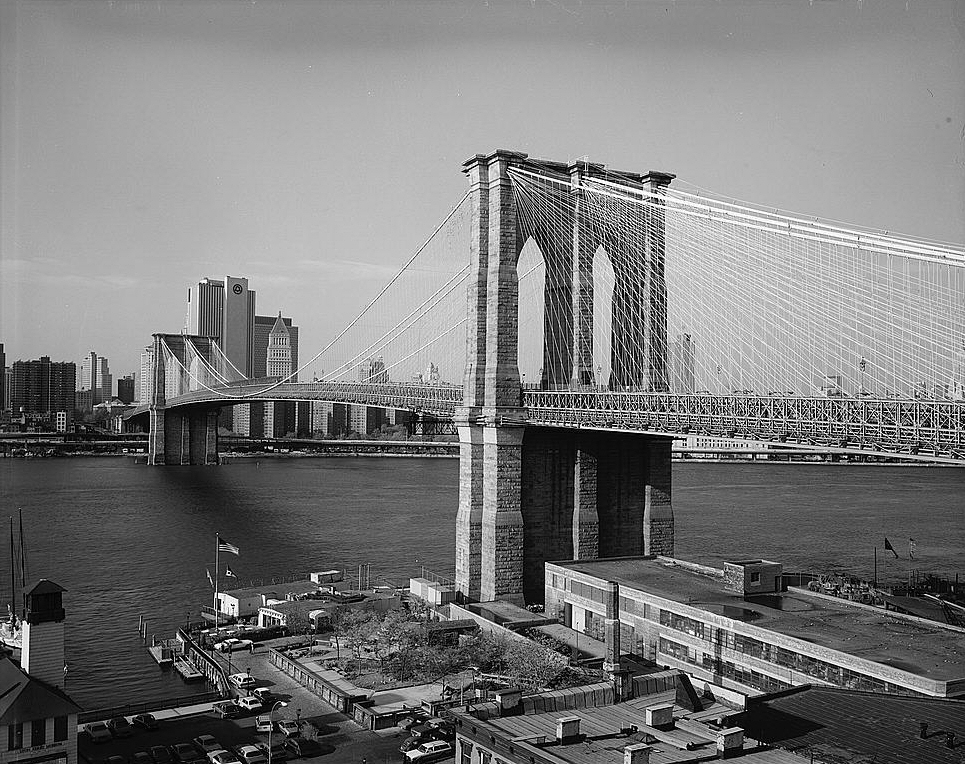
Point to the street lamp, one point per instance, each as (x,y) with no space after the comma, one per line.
(271,724)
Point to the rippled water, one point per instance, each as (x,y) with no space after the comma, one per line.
(128,540)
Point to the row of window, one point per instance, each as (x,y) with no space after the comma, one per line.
(781,656)
(594,593)
(721,667)
(38,733)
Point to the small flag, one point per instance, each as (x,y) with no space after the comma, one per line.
(210,580)
(229,572)
(889,547)
(912,548)
(224,546)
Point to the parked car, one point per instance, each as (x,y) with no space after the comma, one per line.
(161,755)
(306,747)
(223,757)
(434,750)
(242,681)
(120,726)
(263,694)
(278,751)
(115,760)
(226,709)
(99,732)
(249,703)
(205,744)
(231,644)
(186,753)
(287,727)
(413,741)
(140,757)
(147,721)
(251,754)
(263,724)
(410,721)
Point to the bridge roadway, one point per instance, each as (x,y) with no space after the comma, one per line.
(925,430)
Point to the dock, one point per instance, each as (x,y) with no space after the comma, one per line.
(163,654)
(187,670)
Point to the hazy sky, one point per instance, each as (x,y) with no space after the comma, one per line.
(312,146)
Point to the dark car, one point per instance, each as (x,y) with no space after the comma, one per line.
(410,721)
(413,741)
(116,760)
(161,755)
(205,744)
(147,721)
(141,757)
(185,753)
(300,746)
(120,727)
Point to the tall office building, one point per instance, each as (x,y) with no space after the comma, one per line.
(41,387)
(125,389)
(225,310)
(373,370)
(7,387)
(145,388)
(262,330)
(95,375)
(280,415)
(3,379)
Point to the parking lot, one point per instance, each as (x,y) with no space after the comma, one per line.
(352,744)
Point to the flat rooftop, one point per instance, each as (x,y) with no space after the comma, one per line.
(874,634)
(602,742)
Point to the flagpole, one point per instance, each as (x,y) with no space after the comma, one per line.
(217,547)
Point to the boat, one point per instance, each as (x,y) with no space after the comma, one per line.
(163,654)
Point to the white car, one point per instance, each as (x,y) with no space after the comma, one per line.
(250,754)
(287,727)
(263,724)
(242,681)
(433,750)
(231,644)
(223,757)
(249,703)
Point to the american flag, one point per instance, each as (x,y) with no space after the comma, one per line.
(224,546)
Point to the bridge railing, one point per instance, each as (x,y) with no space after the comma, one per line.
(439,400)
(900,426)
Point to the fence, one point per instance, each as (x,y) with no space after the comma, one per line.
(146,707)
(334,696)
(205,663)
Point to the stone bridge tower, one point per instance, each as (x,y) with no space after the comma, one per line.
(529,494)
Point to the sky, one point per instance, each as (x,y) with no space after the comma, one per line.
(312,146)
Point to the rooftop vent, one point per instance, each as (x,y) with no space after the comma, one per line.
(730,742)
(660,716)
(637,753)
(568,730)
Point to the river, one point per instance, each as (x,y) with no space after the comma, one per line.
(127,540)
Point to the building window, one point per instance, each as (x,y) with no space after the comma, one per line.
(485,757)
(60,728)
(755,577)
(38,732)
(14,737)
(465,750)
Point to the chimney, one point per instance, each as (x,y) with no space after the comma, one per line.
(660,716)
(730,742)
(568,730)
(508,700)
(637,753)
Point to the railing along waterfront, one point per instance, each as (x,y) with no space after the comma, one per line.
(933,427)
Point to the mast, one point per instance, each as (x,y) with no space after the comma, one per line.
(23,568)
(217,548)
(13,576)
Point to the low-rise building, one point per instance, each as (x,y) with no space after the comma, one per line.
(736,628)
(316,612)
(38,722)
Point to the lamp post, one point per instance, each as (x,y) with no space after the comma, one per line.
(271,724)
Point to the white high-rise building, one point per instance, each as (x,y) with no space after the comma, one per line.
(225,310)
(146,376)
(95,375)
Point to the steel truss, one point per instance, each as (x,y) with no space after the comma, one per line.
(886,427)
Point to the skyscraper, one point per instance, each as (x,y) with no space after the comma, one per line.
(225,310)
(259,350)
(125,389)
(41,387)
(146,375)
(3,378)
(95,375)
(280,415)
